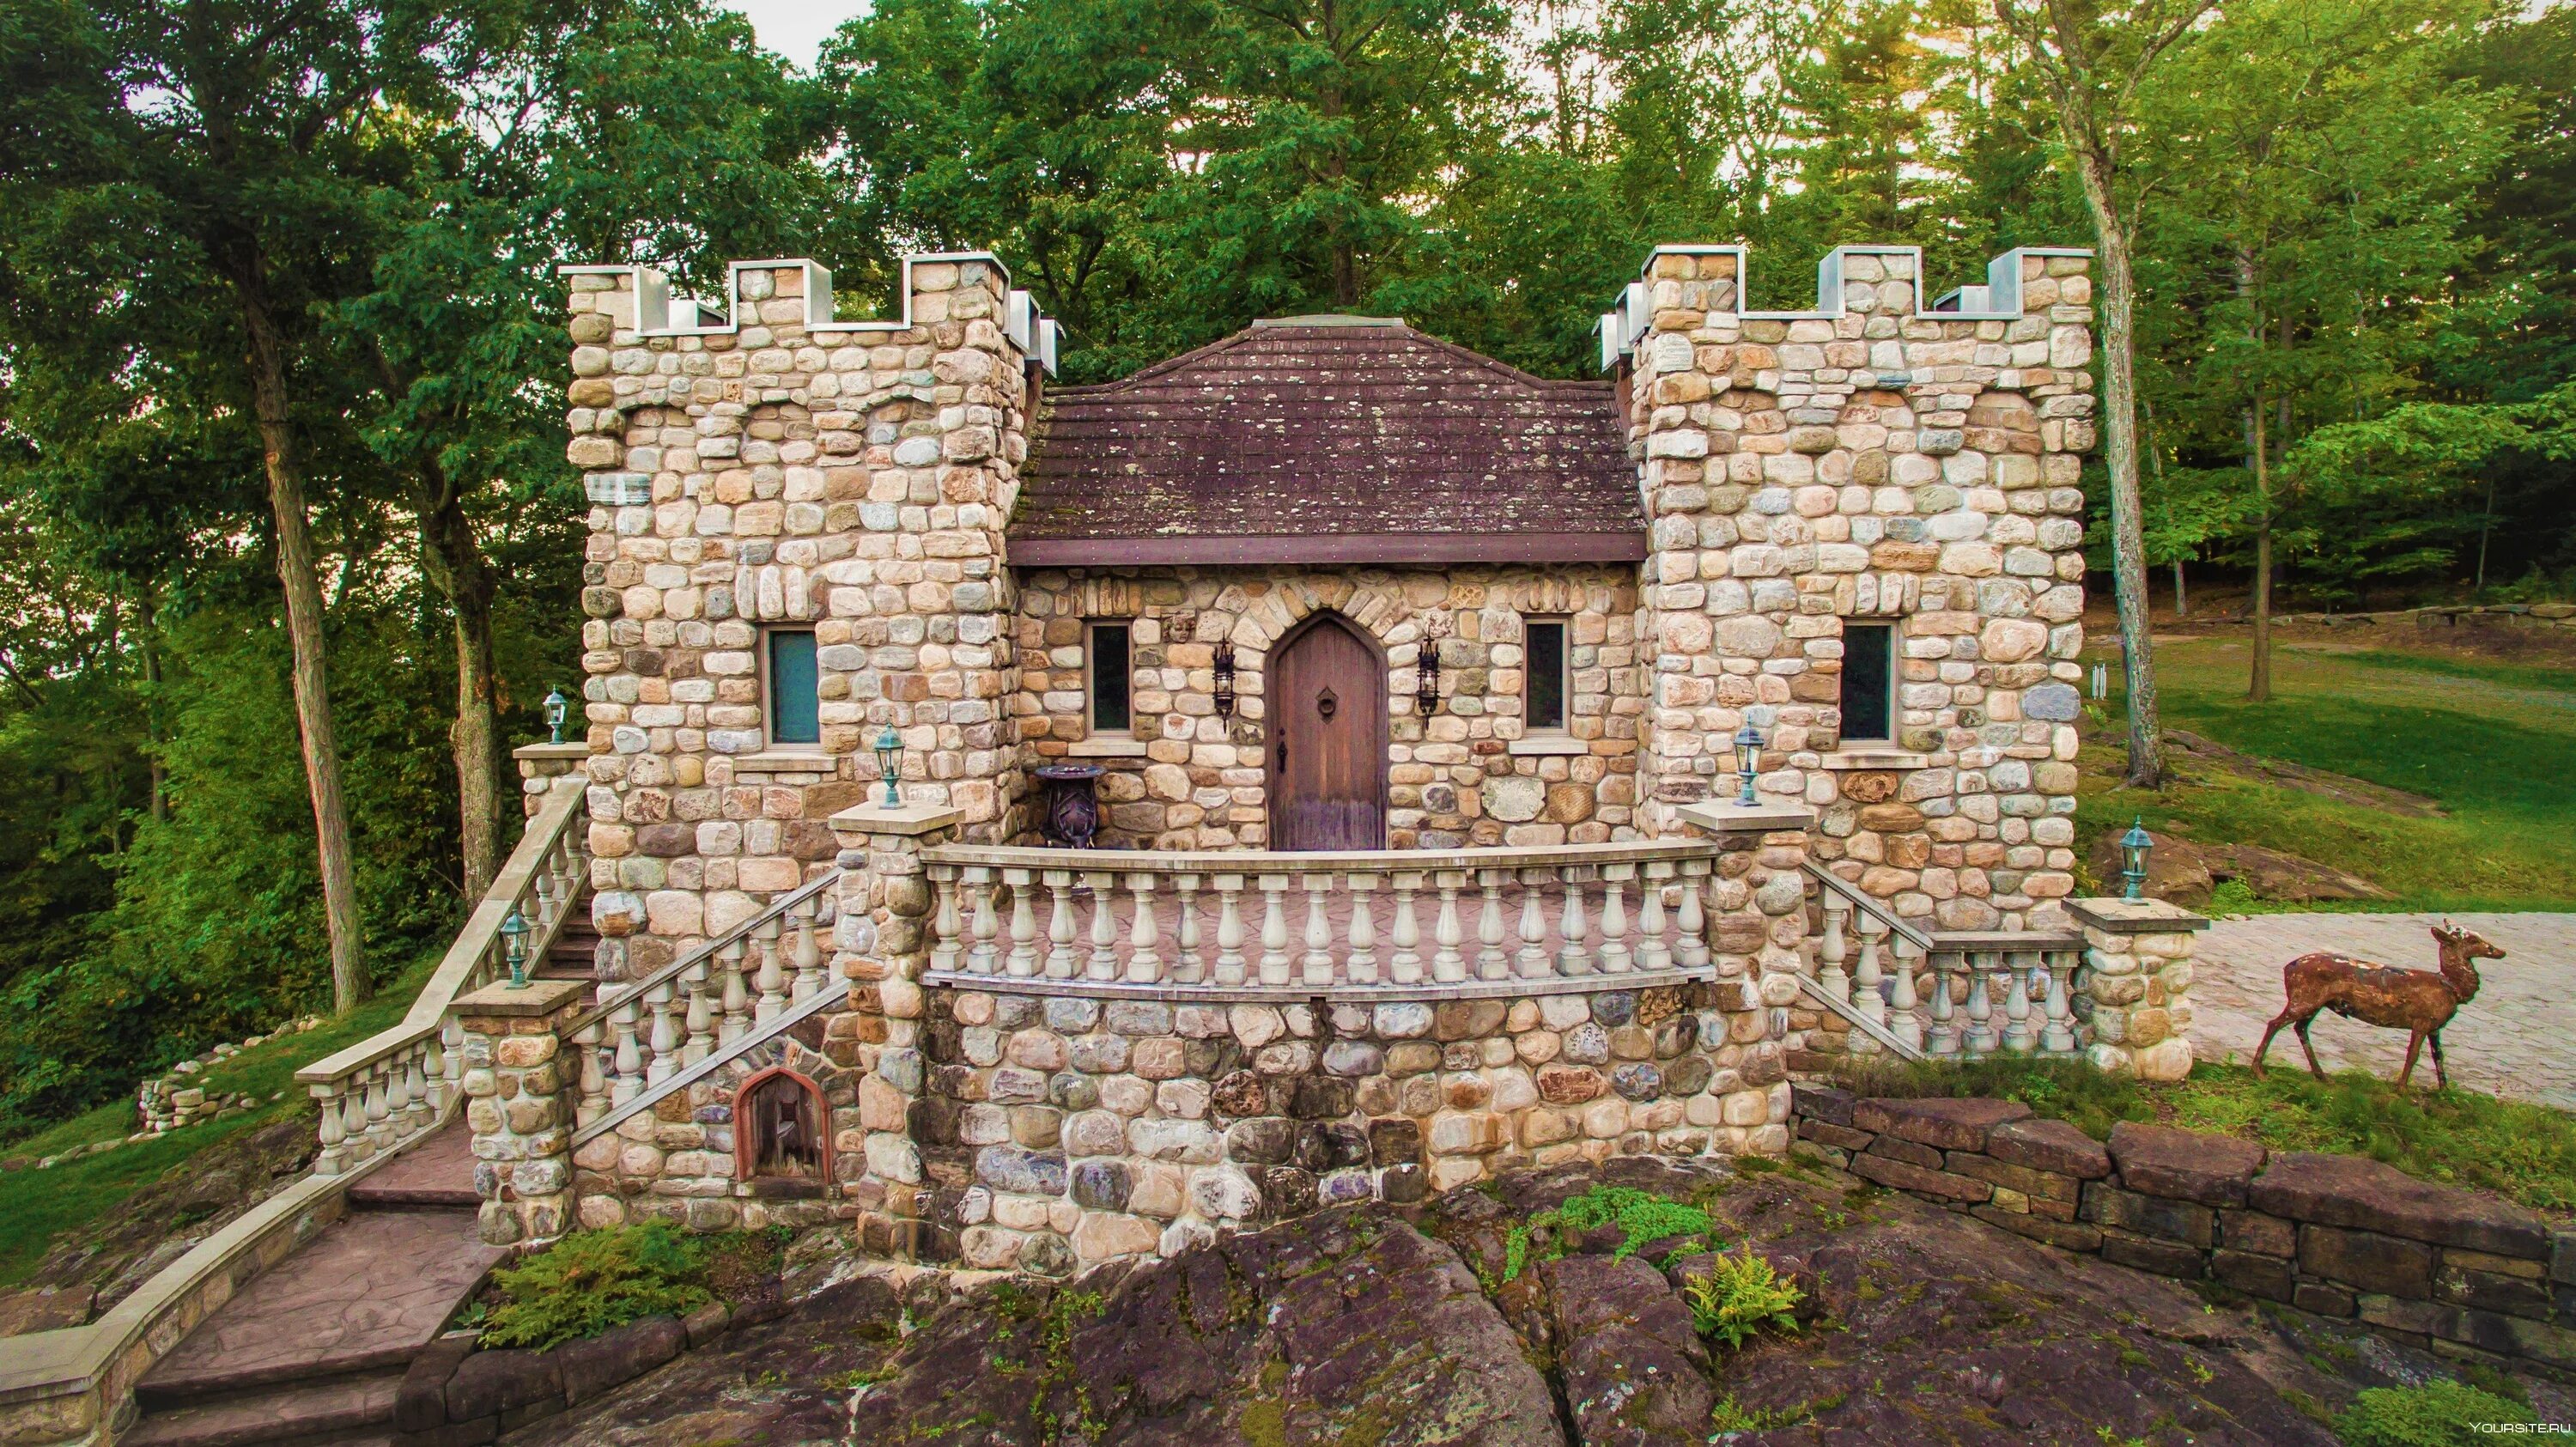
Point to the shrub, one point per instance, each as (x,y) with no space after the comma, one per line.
(1740,1297)
(2437,1414)
(1640,1217)
(592,1281)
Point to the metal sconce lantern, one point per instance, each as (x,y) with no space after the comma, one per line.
(1748,761)
(890,764)
(2133,850)
(514,948)
(558,708)
(1426,674)
(1224,680)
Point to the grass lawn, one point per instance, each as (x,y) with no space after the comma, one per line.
(2495,743)
(36,1206)
(2525,1153)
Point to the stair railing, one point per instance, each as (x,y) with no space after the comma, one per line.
(401,1081)
(1952,995)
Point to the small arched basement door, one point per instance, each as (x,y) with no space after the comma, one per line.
(1326,701)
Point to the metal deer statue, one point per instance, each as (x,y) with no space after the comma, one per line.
(2419,1001)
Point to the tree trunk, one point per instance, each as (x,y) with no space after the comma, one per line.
(147,632)
(295,571)
(2259,688)
(2120,448)
(2182,600)
(452,557)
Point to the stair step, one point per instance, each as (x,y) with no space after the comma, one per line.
(339,1410)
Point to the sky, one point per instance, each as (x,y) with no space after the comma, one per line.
(797,28)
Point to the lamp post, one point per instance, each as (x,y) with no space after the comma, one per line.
(1748,762)
(2133,849)
(514,948)
(557,708)
(890,764)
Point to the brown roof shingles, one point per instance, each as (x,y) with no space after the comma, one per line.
(1320,441)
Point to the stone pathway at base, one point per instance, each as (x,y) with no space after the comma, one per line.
(2517,1038)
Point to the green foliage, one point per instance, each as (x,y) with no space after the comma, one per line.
(1640,1216)
(1739,1297)
(2437,1414)
(592,1281)
(1729,1416)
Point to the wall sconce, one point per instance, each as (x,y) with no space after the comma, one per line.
(1426,669)
(1224,690)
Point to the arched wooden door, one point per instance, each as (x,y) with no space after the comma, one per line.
(1326,700)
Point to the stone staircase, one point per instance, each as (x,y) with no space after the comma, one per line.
(314,1350)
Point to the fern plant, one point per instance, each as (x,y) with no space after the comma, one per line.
(1739,1297)
(592,1281)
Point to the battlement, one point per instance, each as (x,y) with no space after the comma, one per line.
(659,313)
(2003,298)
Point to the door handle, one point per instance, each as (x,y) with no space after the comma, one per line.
(1283,751)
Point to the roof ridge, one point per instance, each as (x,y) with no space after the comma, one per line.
(1269,328)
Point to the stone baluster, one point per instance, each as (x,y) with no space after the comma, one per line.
(947,926)
(591,1082)
(1274,929)
(1101,964)
(626,1071)
(1491,962)
(1573,956)
(1831,982)
(1144,955)
(334,1156)
(2020,1036)
(1448,966)
(1980,1037)
(771,980)
(1404,966)
(735,1006)
(1616,957)
(1360,965)
(1904,1017)
(2057,1037)
(1229,929)
(1943,1038)
(1315,966)
(1654,950)
(1189,969)
(353,1117)
(984,956)
(433,1070)
(701,1017)
(664,1057)
(1023,963)
(809,949)
(1690,919)
(451,1036)
(1059,958)
(380,1105)
(1868,1000)
(1531,958)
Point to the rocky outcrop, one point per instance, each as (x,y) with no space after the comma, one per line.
(1375,1324)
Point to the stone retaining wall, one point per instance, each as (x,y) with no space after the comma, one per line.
(1062,1129)
(2457,1272)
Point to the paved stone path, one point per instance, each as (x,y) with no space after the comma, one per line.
(2517,1038)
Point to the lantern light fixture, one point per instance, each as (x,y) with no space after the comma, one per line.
(1224,690)
(2134,847)
(1748,762)
(889,748)
(558,708)
(514,947)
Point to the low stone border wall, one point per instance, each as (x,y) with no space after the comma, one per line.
(2458,1272)
(455,1396)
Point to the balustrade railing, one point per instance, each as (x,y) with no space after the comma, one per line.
(398,1082)
(1353,919)
(706,1003)
(1947,996)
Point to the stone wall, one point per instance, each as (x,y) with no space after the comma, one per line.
(1872,464)
(786,468)
(1061,1129)
(1467,776)
(2456,1272)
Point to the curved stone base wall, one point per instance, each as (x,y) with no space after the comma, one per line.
(1075,1123)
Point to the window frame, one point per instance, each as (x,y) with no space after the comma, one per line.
(1895,636)
(1564,725)
(769,688)
(1092,726)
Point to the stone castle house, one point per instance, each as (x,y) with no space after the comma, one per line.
(1416,689)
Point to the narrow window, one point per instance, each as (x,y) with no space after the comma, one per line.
(1109,658)
(1544,642)
(795,708)
(1869,682)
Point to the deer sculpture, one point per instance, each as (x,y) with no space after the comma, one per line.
(2420,1001)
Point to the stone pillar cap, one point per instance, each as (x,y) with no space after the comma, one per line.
(1732,818)
(881,818)
(541,997)
(2134,916)
(575,749)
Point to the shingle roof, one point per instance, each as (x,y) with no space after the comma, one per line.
(1329,439)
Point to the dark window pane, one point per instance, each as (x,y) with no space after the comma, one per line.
(1546,676)
(795,714)
(1109,678)
(1869,668)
